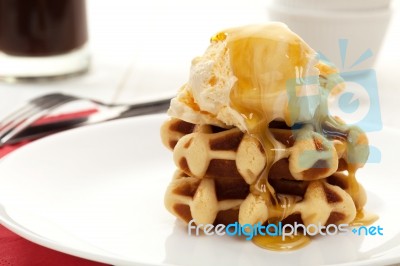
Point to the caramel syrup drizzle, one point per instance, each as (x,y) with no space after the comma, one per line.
(260,83)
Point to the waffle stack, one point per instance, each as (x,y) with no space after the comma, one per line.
(225,175)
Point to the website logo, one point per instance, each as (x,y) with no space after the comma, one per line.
(358,103)
(282,230)
(351,95)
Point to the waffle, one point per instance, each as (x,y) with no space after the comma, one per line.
(222,178)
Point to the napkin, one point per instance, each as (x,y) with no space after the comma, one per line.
(15,250)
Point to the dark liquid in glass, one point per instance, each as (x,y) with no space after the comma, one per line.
(42,27)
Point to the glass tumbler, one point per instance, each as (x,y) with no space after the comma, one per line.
(41,39)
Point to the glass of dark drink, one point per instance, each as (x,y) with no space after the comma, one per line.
(42,39)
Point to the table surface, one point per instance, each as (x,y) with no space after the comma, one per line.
(142,50)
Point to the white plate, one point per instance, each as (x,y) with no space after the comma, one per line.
(97,192)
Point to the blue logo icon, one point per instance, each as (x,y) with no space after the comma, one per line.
(347,102)
(357,104)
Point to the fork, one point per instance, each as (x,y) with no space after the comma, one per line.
(31,112)
(41,106)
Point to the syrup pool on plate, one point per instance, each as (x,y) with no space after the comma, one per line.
(276,243)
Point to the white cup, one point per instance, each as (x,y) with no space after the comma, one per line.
(348,33)
(347,5)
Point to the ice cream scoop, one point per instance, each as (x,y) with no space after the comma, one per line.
(250,75)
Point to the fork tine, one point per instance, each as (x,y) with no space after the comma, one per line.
(30,109)
(30,117)
(11,117)
(40,108)
(24,109)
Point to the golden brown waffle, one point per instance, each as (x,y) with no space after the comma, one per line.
(218,169)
